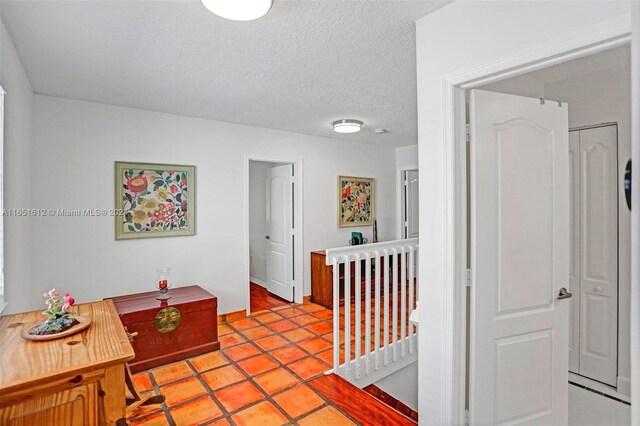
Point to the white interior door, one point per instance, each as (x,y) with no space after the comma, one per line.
(279,222)
(411,216)
(574,251)
(599,254)
(519,260)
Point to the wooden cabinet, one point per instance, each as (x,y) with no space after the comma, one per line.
(74,380)
(322,279)
(169,330)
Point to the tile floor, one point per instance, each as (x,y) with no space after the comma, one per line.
(258,377)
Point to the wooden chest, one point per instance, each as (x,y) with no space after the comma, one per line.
(169,330)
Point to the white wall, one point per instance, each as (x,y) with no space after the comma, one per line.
(458,37)
(407,156)
(402,385)
(18,173)
(76,144)
(258,220)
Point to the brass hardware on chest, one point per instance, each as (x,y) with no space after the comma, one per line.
(167,320)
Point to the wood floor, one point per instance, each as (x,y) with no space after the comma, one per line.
(262,300)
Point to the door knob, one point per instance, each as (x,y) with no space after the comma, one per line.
(267,237)
(564,294)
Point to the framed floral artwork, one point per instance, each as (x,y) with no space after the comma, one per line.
(356,201)
(154,200)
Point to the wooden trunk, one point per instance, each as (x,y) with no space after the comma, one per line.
(165,336)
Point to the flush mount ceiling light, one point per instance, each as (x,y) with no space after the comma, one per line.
(238,10)
(346,126)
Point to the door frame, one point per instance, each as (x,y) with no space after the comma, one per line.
(298,232)
(399,189)
(451,244)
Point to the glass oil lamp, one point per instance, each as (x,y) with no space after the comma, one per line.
(162,283)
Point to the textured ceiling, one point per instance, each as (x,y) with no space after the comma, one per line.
(303,65)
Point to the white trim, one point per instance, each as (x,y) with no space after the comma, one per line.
(635,216)
(258,281)
(298,168)
(623,386)
(587,41)
(399,203)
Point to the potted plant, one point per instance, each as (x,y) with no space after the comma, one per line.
(59,317)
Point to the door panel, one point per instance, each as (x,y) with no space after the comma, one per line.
(279,264)
(599,259)
(519,260)
(574,251)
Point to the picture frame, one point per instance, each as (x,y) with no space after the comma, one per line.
(356,201)
(154,200)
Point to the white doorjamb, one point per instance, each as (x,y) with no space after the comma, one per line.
(450,246)
(399,188)
(297,232)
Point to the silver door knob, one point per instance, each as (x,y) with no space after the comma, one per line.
(564,294)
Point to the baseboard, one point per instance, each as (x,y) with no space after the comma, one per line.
(231,316)
(258,281)
(624,386)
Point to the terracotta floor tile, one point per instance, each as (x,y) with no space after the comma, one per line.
(315,345)
(305,319)
(144,410)
(299,400)
(223,376)
(257,364)
(312,307)
(195,412)
(181,391)
(263,414)
(224,329)
(238,396)
(309,367)
(158,419)
(322,327)
(268,317)
(142,381)
(231,340)
(288,354)
(172,372)
(271,342)
(327,356)
(275,380)
(283,325)
(240,352)
(326,314)
(221,422)
(297,334)
(208,361)
(289,312)
(244,323)
(256,332)
(326,416)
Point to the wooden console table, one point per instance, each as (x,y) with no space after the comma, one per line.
(74,380)
(322,280)
(169,330)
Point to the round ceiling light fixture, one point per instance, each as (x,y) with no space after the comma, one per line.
(236,10)
(346,126)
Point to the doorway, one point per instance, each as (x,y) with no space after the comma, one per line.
(274,243)
(595,90)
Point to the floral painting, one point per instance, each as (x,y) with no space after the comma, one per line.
(356,201)
(154,200)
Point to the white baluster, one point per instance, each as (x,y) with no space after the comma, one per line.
(336,315)
(411,290)
(395,305)
(376,326)
(358,319)
(386,307)
(367,312)
(403,299)
(347,318)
